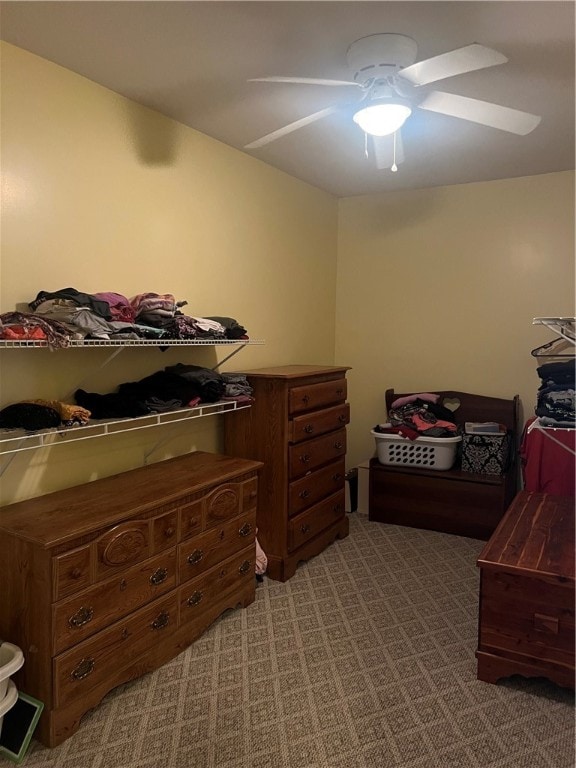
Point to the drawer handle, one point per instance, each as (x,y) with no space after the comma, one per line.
(195,598)
(342,418)
(245,567)
(305,399)
(161,620)
(340,391)
(337,477)
(83,669)
(309,428)
(305,458)
(338,445)
(246,530)
(304,494)
(196,556)
(253,494)
(160,575)
(169,532)
(304,528)
(81,617)
(123,585)
(337,508)
(76,573)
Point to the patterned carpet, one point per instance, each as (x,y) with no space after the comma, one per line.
(365,659)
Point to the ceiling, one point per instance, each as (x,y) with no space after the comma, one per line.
(191,61)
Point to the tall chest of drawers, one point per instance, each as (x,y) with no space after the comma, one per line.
(297,427)
(106,581)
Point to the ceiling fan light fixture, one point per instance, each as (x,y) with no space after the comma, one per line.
(382,119)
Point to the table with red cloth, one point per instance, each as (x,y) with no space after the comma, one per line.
(548,459)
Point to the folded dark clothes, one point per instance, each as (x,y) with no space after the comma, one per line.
(233,329)
(558,373)
(29,416)
(162,385)
(111,406)
(210,384)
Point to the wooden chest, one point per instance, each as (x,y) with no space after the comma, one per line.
(526,619)
(106,581)
(297,427)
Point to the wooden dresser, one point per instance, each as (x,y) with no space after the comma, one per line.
(526,620)
(297,427)
(106,581)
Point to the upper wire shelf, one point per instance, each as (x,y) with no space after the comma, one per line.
(81,343)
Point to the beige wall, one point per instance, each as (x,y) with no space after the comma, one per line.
(437,289)
(432,288)
(102,194)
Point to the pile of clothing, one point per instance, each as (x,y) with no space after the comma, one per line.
(176,386)
(32,415)
(419,415)
(68,314)
(555,405)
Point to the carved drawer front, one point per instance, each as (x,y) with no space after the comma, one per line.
(200,593)
(98,659)
(223,503)
(307,525)
(311,488)
(164,531)
(527,616)
(71,572)
(319,422)
(82,616)
(203,552)
(304,457)
(191,518)
(312,396)
(122,546)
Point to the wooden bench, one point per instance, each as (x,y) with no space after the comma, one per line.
(452,501)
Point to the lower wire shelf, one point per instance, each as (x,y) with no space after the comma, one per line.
(16,440)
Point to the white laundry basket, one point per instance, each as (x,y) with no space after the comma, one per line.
(424,452)
(11,659)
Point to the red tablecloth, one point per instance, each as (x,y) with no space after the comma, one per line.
(549,460)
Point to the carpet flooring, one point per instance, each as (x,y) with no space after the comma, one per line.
(364,659)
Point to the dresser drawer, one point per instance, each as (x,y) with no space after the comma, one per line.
(198,594)
(305,457)
(318,422)
(71,572)
(527,616)
(312,396)
(315,486)
(312,522)
(80,617)
(97,659)
(203,552)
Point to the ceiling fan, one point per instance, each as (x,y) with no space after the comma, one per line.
(388,78)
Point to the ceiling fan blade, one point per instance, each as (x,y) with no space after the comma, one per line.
(384,150)
(303,80)
(457,62)
(483,112)
(292,127)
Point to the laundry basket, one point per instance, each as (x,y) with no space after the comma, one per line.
(11,659)
(423,452)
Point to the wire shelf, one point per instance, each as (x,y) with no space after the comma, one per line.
(82,343)
(16,440)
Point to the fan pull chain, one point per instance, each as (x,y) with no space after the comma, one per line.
(394,167)
(365,145)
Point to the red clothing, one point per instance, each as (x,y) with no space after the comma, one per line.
(548,460)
